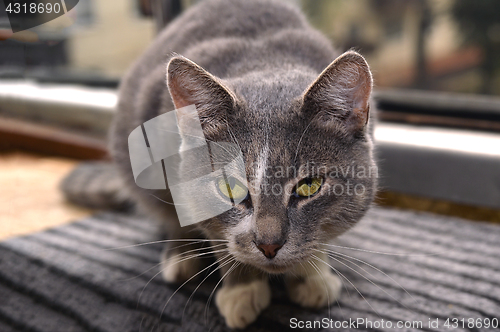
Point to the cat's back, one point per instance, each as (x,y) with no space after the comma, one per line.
(217,33)
(216,19)
(204,31)
(214,34)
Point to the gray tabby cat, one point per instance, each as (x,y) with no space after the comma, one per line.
(262,78)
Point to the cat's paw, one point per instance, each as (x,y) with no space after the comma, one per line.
(176,269)
(315,291)
(241,304)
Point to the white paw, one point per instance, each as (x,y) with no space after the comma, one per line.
(241,304)
(316,291)
(177,270)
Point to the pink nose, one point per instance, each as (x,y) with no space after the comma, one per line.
(269,250)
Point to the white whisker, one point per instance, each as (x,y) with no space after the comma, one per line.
(302,136)
(177,262)
(235,265)
(347,279)
(318,270)
(347,257)
(384,253)
(217,269)
(163,241)
(364,277)
(164,201)
(194,276)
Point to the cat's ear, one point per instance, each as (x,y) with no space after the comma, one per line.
(190,84)
(342,92)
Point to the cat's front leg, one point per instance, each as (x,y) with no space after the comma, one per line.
(179,258)
(313,286)
(243,296)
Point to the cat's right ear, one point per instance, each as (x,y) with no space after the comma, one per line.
(190,84)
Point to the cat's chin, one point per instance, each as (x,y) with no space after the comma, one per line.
(270,267)
(274,268)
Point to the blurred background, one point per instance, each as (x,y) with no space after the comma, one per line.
(436,65)
(439,45)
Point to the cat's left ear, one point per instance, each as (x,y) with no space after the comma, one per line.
(342,92)
(190,84)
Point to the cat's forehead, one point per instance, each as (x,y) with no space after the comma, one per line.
(268,112)
(269,124)
(265,91)
(279,140)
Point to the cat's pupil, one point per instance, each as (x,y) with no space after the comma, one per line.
(308,187)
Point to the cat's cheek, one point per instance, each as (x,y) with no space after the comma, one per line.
(240,236)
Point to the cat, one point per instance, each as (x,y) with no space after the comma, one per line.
(261,77)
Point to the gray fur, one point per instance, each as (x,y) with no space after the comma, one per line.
(261,77)
(96,185)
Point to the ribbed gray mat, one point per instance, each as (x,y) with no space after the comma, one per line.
(64,280)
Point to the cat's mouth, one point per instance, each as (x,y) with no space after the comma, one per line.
(278,266)
(282,263)
(272,266)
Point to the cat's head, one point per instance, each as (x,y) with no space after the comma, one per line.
(308,172)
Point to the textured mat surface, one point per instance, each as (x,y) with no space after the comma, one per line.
(64,279)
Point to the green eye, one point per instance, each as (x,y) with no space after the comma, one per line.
(308,187)
(232,189)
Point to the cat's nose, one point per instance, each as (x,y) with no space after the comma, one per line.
(269,250)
